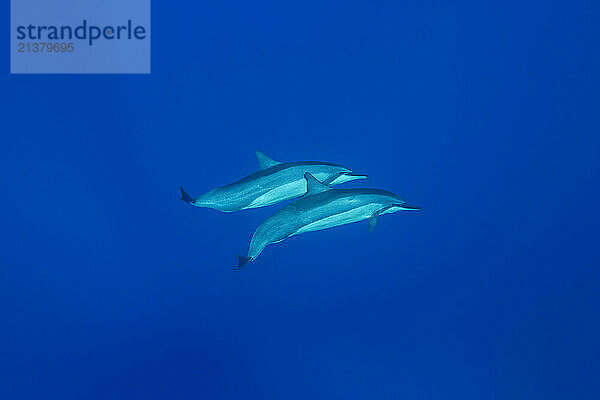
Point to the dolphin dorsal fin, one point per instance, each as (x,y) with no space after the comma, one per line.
(264,161)
(313,185)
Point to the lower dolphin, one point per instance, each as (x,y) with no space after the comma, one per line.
(322,207)
(272,183)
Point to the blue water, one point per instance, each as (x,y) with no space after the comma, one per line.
(484,115)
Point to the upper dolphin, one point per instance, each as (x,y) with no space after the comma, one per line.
(273,182)
(323,207)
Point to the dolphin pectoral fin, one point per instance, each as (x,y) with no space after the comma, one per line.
(186,197)
(313,185)
(264,161)
(373,220)
(375,216)
(242,261)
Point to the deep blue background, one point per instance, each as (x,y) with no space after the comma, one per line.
(486,116)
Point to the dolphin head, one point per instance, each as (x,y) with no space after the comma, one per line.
(400,207)
(391,202)
(397,204)
(347,176)
(337,174)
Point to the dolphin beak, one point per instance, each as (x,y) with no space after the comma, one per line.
(356,176)
(410,208)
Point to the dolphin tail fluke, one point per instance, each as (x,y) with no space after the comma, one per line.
(242,261)
(186,197)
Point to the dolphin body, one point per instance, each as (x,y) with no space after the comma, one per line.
(322,207)
(273,182)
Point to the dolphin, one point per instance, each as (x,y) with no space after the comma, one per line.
(273,182)
(322,207)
